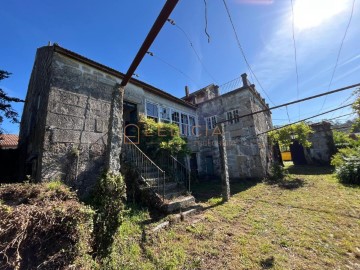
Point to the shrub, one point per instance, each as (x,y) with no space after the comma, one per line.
(277,173)
(347,164)
(108,200)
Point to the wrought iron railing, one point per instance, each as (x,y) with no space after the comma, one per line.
(151,173)
(176,169)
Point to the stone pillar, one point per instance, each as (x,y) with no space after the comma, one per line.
(224,164)
(115,131)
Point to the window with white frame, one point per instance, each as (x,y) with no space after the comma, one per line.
(165,115)
(232,116)
(210,122)
(184,124)
(175,118)
(152,111)
(192,124)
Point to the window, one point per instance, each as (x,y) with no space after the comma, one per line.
(184,124)
(175,117)
(192,130)
(210,122)
(152,111)
(165,115)
(232,116)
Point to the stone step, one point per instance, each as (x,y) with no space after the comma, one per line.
(174,194)
(182,202)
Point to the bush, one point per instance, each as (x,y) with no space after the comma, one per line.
(108,201)
(347,164)
(277,173)
(44,226)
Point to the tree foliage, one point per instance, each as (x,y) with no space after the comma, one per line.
(286,135)
(6,109)
(356,108)
(343,139)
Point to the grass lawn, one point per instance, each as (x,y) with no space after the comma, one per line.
(308,222)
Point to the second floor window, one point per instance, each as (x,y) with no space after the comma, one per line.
(210,122)
(232,116)
(152,111)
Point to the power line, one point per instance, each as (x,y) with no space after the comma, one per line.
(287,112)
(172,66)
(295,53)
(172,22)
(243,53)
(339,52)
(294,102)
(277,128)
(206,22)
(314,116)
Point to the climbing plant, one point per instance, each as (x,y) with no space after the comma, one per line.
(286,135)
(161,138)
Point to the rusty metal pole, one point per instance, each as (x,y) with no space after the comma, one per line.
(158,24)
(115,129)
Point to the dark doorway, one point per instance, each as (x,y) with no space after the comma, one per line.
(209,165)
(297,153)
(193,165)
(130,120)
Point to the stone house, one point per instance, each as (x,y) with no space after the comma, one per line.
(63,132)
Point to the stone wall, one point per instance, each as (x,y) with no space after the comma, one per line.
(32,127)
(248,155)
(322,147)
(65,120)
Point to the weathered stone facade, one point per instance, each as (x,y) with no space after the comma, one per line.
(64,127)
(322,144)
(63,133)
(249,155)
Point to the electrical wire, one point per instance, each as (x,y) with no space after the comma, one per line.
(243,53)
(172,66)
(287,112)
(294,102)
(295,53)
(305,119)
(206,22)
(339,52)
(172,22)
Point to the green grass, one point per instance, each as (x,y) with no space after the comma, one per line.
(315,225)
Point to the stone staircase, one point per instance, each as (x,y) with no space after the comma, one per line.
(167,189)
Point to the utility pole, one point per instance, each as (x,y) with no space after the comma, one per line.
(225,184)
(115,130)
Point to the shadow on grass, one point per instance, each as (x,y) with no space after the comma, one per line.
(289,184)
(267,263)
(310,170)
(205,190)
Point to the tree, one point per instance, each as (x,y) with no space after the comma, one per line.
(6,109)
(287,135)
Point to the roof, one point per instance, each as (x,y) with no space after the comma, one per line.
(119,75)
(9,140)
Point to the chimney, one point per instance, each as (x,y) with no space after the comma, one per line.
(244,79)
(187,91)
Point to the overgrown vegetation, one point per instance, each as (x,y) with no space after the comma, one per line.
(288,134)
(314,226)
(44,226)
(108,200)
(347,159)
(158,139)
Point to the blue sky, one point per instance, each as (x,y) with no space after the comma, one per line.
(111,33)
